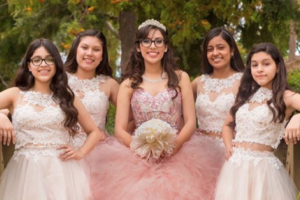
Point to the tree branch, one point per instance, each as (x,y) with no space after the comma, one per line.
(3,82)
(112,29)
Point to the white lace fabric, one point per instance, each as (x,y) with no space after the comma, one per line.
(90,92)
(214,100)
(254,122)
(38,123)
(240,155)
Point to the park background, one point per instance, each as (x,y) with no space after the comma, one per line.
(251,22)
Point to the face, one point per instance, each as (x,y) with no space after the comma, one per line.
(153,52)
(42,65)
(263,69)
(89,53)
(218,53)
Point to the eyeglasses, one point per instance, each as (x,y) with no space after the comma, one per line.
(38,61)
(158,42)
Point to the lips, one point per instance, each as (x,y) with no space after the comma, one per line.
(152,54)
(88,60)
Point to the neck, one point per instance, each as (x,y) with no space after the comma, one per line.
(81,74)
(42,88)
(222,73)
(153,70)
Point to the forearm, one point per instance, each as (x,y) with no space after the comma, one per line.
(123,137)
(227,135)
(91,141)
(186,133)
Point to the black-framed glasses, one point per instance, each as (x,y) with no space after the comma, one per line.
(158,42)
(38,61)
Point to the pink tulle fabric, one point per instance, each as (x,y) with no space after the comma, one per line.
(190,174)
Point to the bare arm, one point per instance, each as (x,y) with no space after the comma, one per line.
(227,135)
(123,113)
(188,108)
(194,86)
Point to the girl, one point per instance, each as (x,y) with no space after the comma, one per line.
(215,92)
(45,113)
(153,88)
(262,107)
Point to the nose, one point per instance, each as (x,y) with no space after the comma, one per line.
(215,51)
(89,52)
(152,45)
(43,63)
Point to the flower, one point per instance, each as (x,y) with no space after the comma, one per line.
(152,138)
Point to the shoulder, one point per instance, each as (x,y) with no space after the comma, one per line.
(11,93)
(196,80)
(111,81)
(289,96)
(182,75)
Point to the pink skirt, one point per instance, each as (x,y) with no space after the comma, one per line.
(191,174)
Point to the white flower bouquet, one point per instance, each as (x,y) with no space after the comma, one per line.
(154,138)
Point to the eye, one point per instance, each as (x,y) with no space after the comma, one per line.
(209,49)
(147,41)
(159,41)
(49,60)
(36,60)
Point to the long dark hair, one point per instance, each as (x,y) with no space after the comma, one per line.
(59,83)
(236,61)
(71,64)
(136,67)
(248,85)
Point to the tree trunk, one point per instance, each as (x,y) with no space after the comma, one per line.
(127,21)
(293,38)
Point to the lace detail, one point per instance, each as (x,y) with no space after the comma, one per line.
(255,125)
(162,106)
(38,126)
(211,114)
(241,155)
(36,152)
(93,98)
(217,85)
(261,95)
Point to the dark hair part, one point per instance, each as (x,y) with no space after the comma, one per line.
(136,67)
(71,64)
(59,83)
(248,85)
(236,61)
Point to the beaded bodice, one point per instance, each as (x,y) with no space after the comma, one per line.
(214,100)
(38,122)
(254,121)
(162,106)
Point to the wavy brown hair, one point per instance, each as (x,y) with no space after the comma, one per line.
(248,85)
(236,62)
(71,64)
(136,66)
(59,83)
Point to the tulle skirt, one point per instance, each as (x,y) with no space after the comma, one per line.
(190,174)
(254,175)
(44,177)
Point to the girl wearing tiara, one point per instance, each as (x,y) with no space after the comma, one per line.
(162,159)
(262,107)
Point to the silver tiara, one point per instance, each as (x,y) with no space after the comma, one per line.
(152,22)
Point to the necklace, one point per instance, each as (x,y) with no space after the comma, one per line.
(156,80)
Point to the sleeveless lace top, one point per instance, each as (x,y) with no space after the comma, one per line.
(253,121)
(38,124)
(93,98)
(214,100)
(162,106)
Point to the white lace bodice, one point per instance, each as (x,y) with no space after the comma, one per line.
(38,124)
(254,121)
(214,100)
(93,98)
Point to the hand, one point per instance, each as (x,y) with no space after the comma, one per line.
(292,134)
(7,132)
(229,152)
(69,153)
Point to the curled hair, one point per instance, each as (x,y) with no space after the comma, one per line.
(59,83)
(71,64)
(248,85)
(236,62)
(136,67)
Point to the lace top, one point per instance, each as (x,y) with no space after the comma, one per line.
(162,106)
(214,100)
(93,98)
(253,121)
(37,120)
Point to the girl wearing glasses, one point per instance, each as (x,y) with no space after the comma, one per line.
(45,113)
(161,100)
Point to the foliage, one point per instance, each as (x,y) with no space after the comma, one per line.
(110,119)
(294,80)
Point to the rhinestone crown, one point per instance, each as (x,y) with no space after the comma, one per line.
(152,22)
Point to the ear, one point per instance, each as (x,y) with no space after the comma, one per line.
(138,49)
(166,49)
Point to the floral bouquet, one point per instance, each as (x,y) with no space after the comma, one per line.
(154,138)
